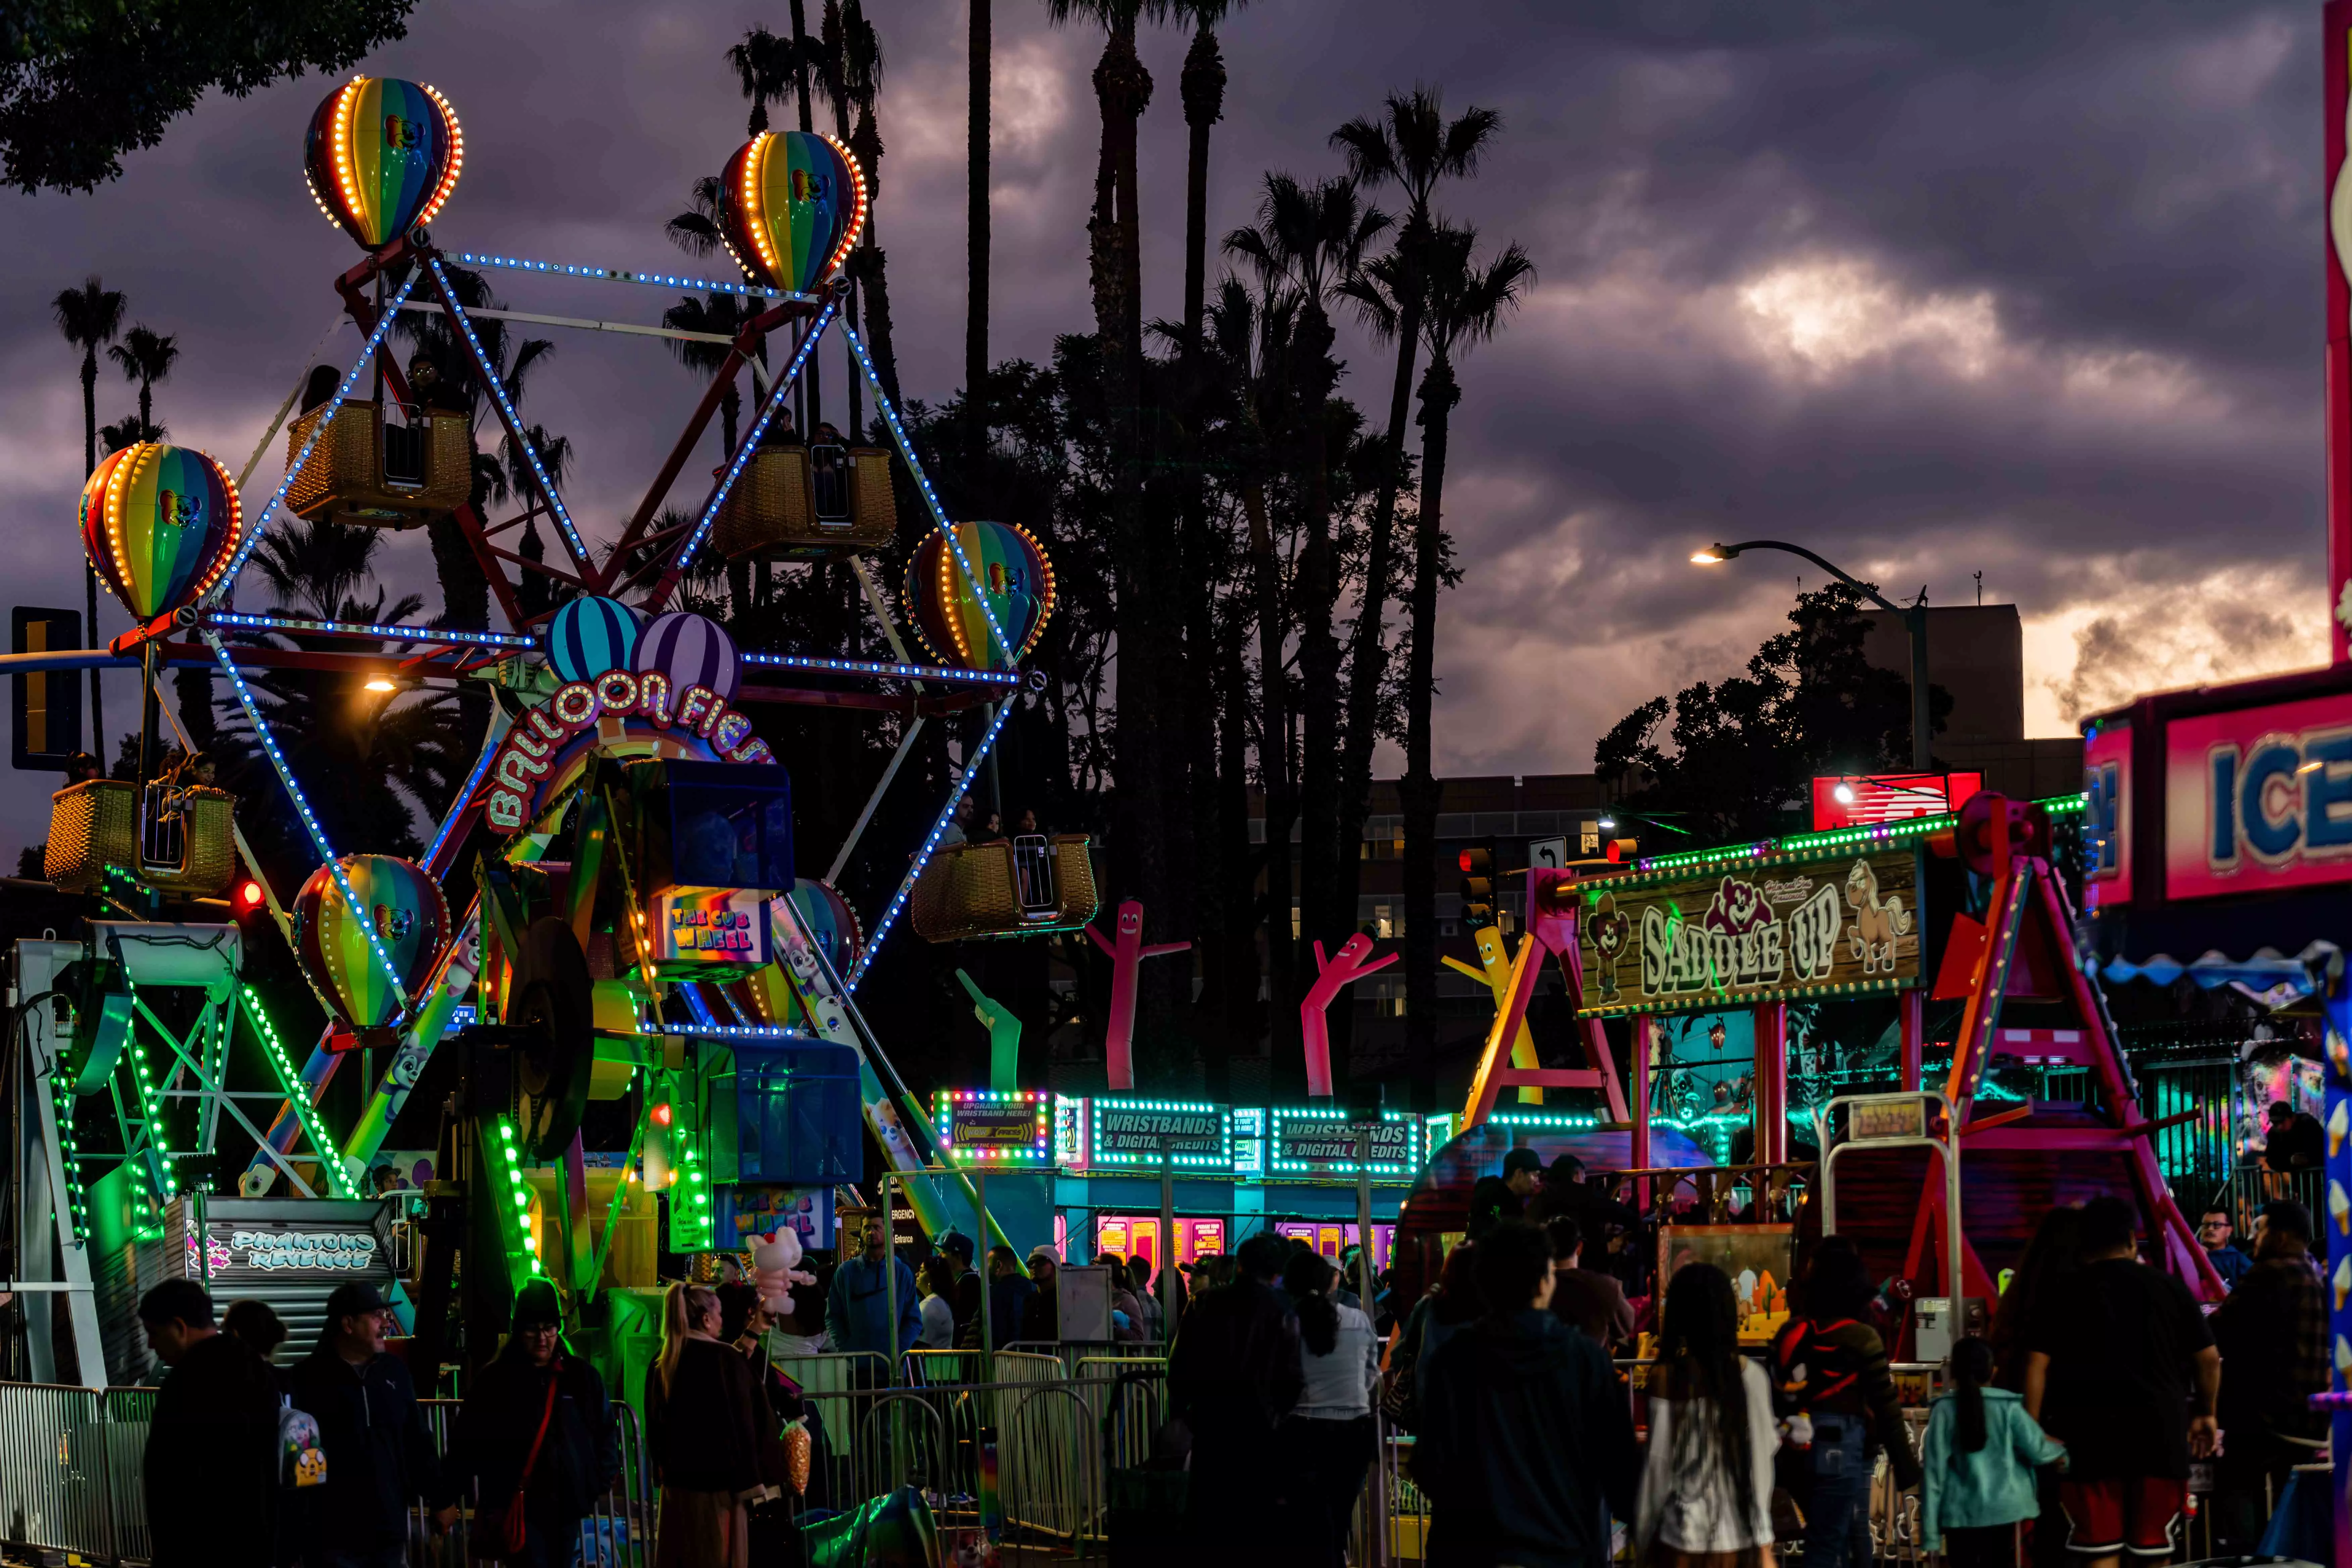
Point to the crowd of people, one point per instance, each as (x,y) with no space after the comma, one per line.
(2065,1435)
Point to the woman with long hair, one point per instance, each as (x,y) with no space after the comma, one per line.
(703,1413)
(1707,1485)
(1328,1433)
(1831,1365)
(1979,1460)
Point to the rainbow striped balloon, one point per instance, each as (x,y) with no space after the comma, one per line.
(159,524)
(1016,583)
(793,204)
(381,157)
(410,918)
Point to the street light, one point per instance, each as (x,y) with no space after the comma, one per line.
(1915,621)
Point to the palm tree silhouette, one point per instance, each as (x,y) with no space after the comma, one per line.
(1201,87)
(465,587)
(1309,239)
(88,318)
(847,57)
(1412,145)
(145,357)
(762,64)
(980,68)
(370,766)
(1464,302)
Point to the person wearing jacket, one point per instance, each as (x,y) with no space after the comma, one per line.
(1010,1292)
(1526,1442)
(1232,1374)
(703,1416)
(534,1381)
(1978,1464)
(380,1457)
(1833,1364)
(857,1307)
(212,1442)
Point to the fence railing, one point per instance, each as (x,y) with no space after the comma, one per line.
(74,1459)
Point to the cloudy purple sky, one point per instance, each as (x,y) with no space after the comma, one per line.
(2031,291)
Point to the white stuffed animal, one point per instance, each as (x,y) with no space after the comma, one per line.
(775,1270)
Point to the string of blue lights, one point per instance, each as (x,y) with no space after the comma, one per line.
(923,856)
(513,420)
(751,442)
(441,635)
(310,822)
(930,497)
(623,275)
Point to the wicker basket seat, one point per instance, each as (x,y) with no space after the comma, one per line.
(772,514)
(345,478)
(1003,889)
(95,825)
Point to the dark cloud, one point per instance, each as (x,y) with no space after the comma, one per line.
(2033,290)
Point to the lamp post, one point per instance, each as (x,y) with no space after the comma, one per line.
(1915,621)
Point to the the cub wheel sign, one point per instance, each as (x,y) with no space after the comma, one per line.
(1764,930)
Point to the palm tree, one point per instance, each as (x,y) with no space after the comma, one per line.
(1201,87)
(762,64)
(697,230)
(89,317)
(368,765)
(1412,145)
(848,57)
(145,357)
(981,66)
(1122,93)
(1464,302)
(1247,339)
(1308,239)
(127,430)
(536,591)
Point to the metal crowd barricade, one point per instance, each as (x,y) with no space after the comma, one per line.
(62,1474)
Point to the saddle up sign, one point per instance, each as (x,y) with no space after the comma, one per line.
(1752,930)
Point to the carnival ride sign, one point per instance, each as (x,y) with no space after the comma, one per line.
(2259,798)
(547,744)
(251,1251)
(1139,1131)
(1765,930)
(1319,1143)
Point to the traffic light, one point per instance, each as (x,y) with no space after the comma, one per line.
(1477,863)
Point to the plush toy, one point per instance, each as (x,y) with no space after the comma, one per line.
(775,1270)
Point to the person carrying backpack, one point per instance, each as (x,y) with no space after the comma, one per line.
(1832,1386)
(1978,1464)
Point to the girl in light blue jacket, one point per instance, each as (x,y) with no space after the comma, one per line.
(1978,1461)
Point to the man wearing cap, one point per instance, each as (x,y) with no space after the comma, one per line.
(380,1457)
(1041,1314)
(212,1443)
(1494,1198)
(500,1423)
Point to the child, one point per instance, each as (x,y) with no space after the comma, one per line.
(1978,1459)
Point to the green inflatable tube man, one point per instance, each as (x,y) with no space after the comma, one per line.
(1003,1036)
